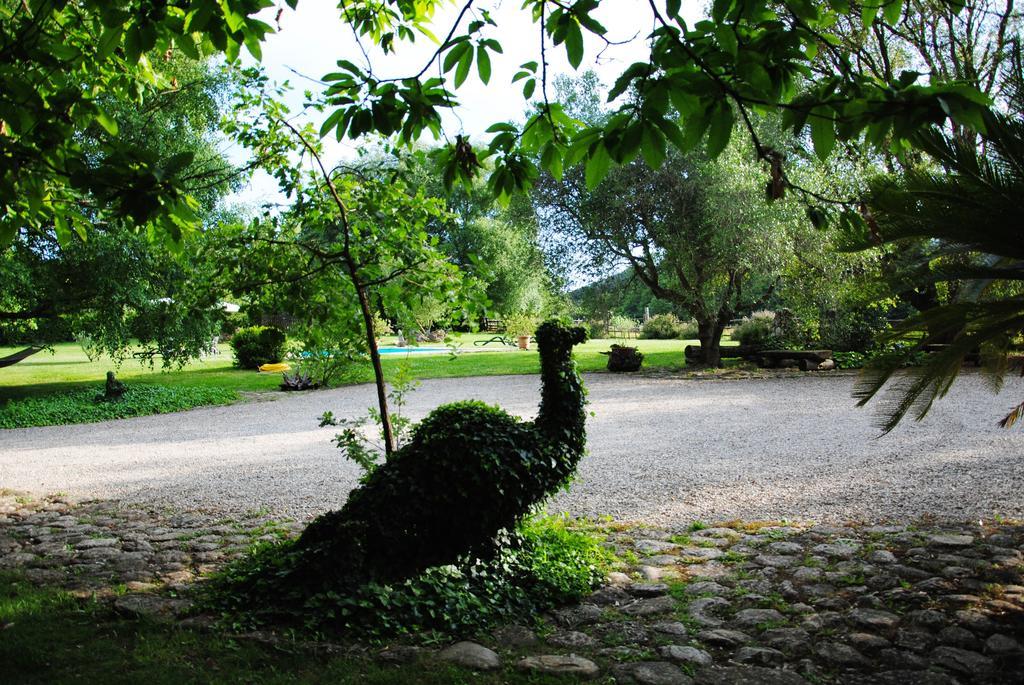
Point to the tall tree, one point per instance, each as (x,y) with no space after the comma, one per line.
(62,65)
(696,232)
(111,282)
(348,240)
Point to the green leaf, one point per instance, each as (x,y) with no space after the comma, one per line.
(694,127)
(8,230)
(574,45)
(331,122)
(483,64)
(109,41)
(727,39)
(108,124)
(453,56)
(653,147)
(719,9)
(178,162)
(64,234)
(597,166)
(892,12)
(671,131)
(188,46)
(823,131)
(720,130)
(462,71)
(529,87)
(672,8)
(869,12)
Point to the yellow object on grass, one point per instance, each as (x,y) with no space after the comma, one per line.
(275,368)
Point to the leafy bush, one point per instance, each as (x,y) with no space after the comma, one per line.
(849,360)
(543,564)
(353,440)
(231,323)
(662,327)
(85,406)
(619,322)
(382,326)
(258,345)
(853,330)
(756,329)
(624,358)
(688,331)
(520,324)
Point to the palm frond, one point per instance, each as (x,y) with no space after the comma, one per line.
(976,325)
(1013,417)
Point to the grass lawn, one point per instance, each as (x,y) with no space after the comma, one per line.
(67,367)
(50,636)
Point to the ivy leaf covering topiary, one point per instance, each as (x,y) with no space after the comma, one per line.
(469,471)
(543,563)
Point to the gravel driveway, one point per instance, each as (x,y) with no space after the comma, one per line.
(661,451)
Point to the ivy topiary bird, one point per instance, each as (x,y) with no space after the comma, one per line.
(468,472)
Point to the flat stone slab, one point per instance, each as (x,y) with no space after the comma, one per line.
(746,675)
(874,618)
(471,655)
(683,654)
(571,639)
(152,606)
(557,664)
(720,637)
(654,673)
(951,540)
(654,546)
(650,607)
(748,618)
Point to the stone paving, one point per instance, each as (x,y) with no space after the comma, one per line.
(736,603)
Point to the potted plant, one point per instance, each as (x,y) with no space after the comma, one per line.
(520,327)
(621,356)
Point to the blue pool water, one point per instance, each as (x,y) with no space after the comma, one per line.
(413,350)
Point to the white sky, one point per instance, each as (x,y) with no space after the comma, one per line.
(312,38)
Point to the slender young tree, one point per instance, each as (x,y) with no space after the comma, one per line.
(347,240)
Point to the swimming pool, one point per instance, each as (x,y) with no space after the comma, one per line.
(412,350)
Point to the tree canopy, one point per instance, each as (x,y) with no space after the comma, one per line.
(57,59)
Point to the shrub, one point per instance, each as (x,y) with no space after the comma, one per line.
(258,345)
(688,330)
(619,322)
(662,327)
(520,324)
(84,406)
(624,358)
(756,329)
(543,564)
(849,360)
(382,326)
(231,323)
(852,330)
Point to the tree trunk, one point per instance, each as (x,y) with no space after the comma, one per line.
(378,371)
(710,333)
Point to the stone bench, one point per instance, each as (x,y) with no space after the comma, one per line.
(807,360)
